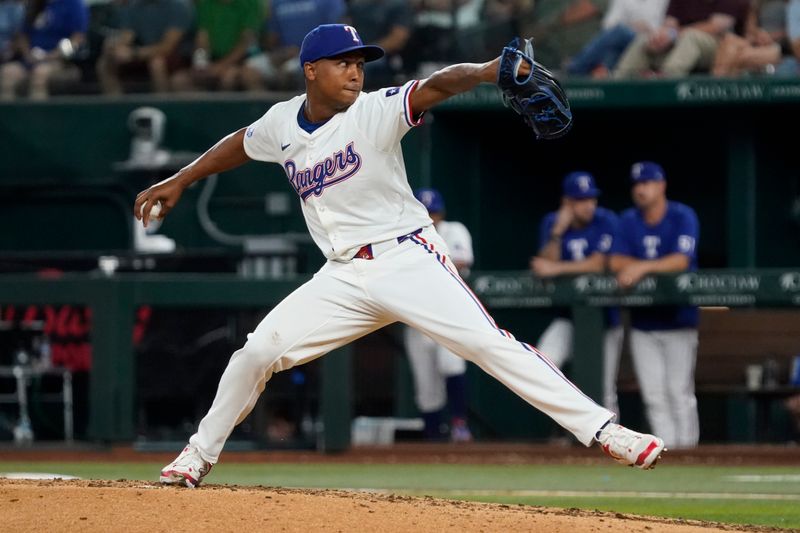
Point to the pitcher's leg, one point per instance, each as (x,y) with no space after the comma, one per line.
(323,314)
(426,292)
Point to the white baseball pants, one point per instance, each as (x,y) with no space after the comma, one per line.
(413,282)
(664,362)
(431,365)
(556,342)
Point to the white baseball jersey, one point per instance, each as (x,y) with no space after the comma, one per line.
(458,240)
(629,12)
(350,177)
(349,173)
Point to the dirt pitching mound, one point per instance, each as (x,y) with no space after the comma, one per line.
(137,506)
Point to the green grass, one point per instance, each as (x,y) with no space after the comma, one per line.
(691,492)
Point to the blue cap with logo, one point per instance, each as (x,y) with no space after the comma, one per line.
(329,40)
(431,199)
(646,171)
(580,185)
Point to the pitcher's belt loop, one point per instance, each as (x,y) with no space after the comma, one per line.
(368,250)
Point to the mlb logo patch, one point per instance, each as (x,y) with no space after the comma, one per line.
(393,91)
(250,131)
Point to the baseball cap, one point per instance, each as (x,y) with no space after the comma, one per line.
(329,40)
(646,171)
(431,199)
(580,185)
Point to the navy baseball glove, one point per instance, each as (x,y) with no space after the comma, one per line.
(537,97)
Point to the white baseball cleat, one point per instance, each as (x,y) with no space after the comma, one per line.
(630,447)
(187,469)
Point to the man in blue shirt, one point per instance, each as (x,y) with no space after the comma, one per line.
(658,236)
(278,65)
(575,240)
(790,65)
(147,47)
(12,14)
(52,32)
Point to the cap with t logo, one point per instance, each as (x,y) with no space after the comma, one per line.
(329,40)
(646,171)
(580,185)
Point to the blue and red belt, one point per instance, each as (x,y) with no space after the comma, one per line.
(369,251)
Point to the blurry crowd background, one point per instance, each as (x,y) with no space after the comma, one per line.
(122,46)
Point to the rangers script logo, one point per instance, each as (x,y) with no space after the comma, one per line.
(330,171)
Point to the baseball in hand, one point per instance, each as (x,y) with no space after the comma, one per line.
(155,210)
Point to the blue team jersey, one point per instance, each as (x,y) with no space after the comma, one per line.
(678,232)
(59,20)
(580,244)
(12,15)
(291,20)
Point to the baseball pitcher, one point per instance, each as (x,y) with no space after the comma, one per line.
(340,150)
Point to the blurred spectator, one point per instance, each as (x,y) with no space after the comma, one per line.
(764,43)
(623,21)
(226,31)
(146,46)
(660,235)
(386,23)
(502,20)
(687,41)
(790,66)
(278,65)
(575,240)
(12,13)
(444,31)
(562,28)
(53,31)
